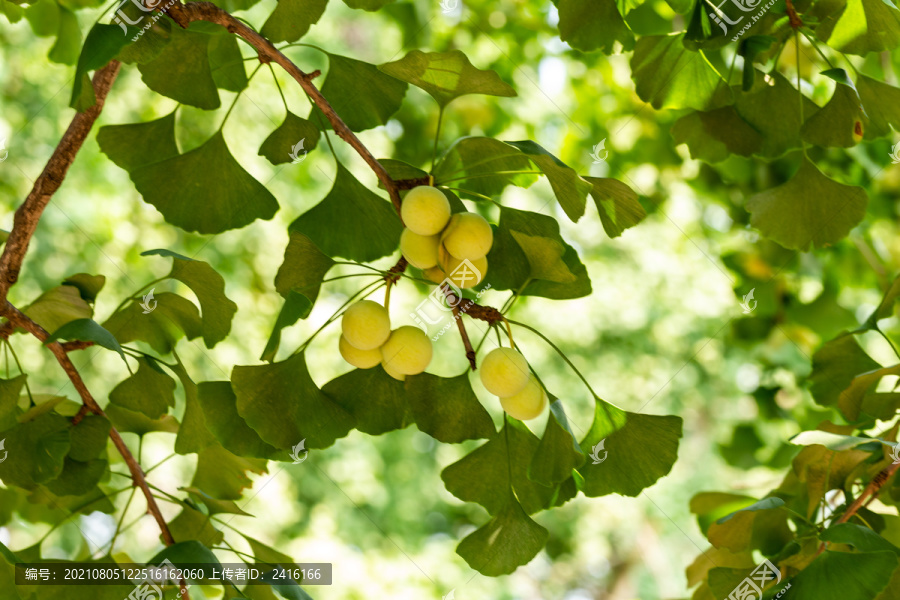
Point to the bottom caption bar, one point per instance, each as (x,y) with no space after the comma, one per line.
(73,573)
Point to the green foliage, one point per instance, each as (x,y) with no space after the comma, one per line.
(750,128)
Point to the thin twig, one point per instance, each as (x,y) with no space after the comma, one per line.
(184,14)
(137,475)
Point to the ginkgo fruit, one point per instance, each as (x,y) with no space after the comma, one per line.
(420,251)
(392,372)
(504,372)
(435,274)
(468,235)
(366,325)
(464,273)
(425,210)
(527,404)
(361,359)
(407,351)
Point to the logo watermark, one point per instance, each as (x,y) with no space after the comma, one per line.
(5,453)
(720,18)
(121,18)
(434,308)
(295,155)
(748,304)
(595,452)
(751,588)
(149,304)
(447,7)
(149,590)
(595,154)
(895,153)
(297,450)
(4,152)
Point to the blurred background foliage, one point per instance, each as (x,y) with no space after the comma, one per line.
(662,333)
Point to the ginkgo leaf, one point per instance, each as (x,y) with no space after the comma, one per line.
(87,330)
(618,205)
(217,310)
(102,44)
(651,440)
(668,75)
(840,122)
(809,210)
(545,257)
(511,268)
(882,105)
(589,25)
(509,540)
(459,416)
(182,70)
(222,474)
(362,95)
(230,429)
(834,366)
(715,135)
(58,306)
(283,405)
(137,144)
(375,399)
(205,190)
(351,221)
(446,75)
(150,390)
(570,189)
(484,165)
(863,26)
(291,19)
(558,452)
(780,131)
(290,141)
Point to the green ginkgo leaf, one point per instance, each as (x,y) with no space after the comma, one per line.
(205,190)
(668,75)
(863,26)
(840,122)
(446,75)
(589,25)
(291,19)
(808,210)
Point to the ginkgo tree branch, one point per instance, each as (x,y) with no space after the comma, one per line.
(184,14)
(29,213)
(25,224)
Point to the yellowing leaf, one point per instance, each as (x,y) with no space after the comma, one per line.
(545,257)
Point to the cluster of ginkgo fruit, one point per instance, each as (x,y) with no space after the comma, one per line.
(438,243)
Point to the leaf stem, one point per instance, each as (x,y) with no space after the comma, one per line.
(437,133)
(482,175)
(447,187)
(237,97)
(812,43)
(19,366)
(278,85)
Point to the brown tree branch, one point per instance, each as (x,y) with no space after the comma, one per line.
(18,319)
(870,490)
(29,213)
(184,14)
(793,18)
(24,226)
(869,493)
